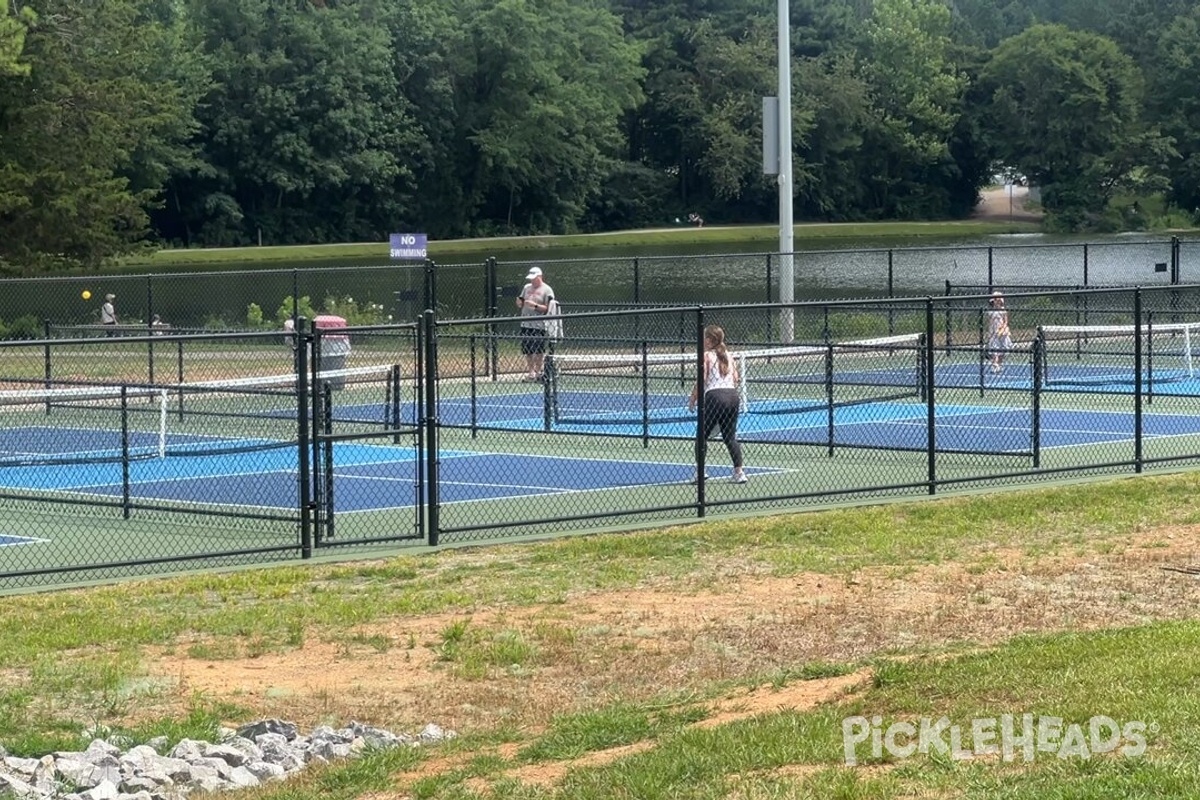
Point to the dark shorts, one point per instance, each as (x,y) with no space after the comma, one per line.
(533,341)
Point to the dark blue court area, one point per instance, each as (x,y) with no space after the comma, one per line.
(365,477)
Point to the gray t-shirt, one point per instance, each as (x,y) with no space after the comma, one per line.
(541,298)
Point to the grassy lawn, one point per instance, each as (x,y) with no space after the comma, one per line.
(807,236)
(707,661)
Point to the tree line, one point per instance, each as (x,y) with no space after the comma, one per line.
(134,123)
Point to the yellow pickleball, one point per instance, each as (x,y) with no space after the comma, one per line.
(87,295)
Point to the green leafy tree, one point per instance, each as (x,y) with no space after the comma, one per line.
(832,110)
(699,126)
(540,87)
(304,131)
(1173,79)
(916,91)
(12,39)
(1066,110)
(80,130)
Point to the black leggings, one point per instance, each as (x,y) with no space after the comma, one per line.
(721,408)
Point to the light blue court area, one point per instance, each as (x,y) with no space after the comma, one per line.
(893,426)
(365,477)
(7,540)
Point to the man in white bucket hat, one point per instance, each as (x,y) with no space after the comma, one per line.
(534,301)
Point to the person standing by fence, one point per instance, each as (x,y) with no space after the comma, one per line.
(721,400)
(999,337)
(534,301)
(108,313)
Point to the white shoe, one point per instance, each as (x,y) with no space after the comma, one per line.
(739,477)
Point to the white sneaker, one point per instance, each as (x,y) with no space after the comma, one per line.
(739,477)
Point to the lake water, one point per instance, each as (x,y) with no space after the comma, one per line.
(705,274)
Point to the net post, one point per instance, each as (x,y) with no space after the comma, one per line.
(46,357)
(164,401)
(179,373)
(474,393)
(548,415)
(1187,349)
(743,393)
(645,395)
(1039,338)
(125,482)
(1149,356)
(829,391)
(327,531)
(396,408)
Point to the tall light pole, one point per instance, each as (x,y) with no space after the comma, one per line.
(787,329)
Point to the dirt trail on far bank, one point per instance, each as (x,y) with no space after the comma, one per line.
(996,204)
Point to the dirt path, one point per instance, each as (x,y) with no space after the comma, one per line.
(997,204)
(521,666)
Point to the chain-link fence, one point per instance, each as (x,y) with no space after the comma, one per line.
(134,454)
(378,294)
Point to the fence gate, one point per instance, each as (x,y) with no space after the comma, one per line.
(367,470)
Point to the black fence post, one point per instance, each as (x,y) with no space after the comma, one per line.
(991,269)
(1085,265)
(150,326)
(1137,380)
(419,424)
(430,284)
(1036,422)
(431,425)
(492,352)
(701,417)
(930,407)
(303,411)
(637,281)
(46,360)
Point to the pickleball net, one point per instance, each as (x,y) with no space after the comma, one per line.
(652,386)
(94,424)
(1113,355)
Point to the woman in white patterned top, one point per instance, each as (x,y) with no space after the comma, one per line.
(999,339)
(721,400)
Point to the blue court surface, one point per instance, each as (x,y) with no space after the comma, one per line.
(886,425)
(366,477)
(371,477)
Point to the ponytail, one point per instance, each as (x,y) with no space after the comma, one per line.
(716,335)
